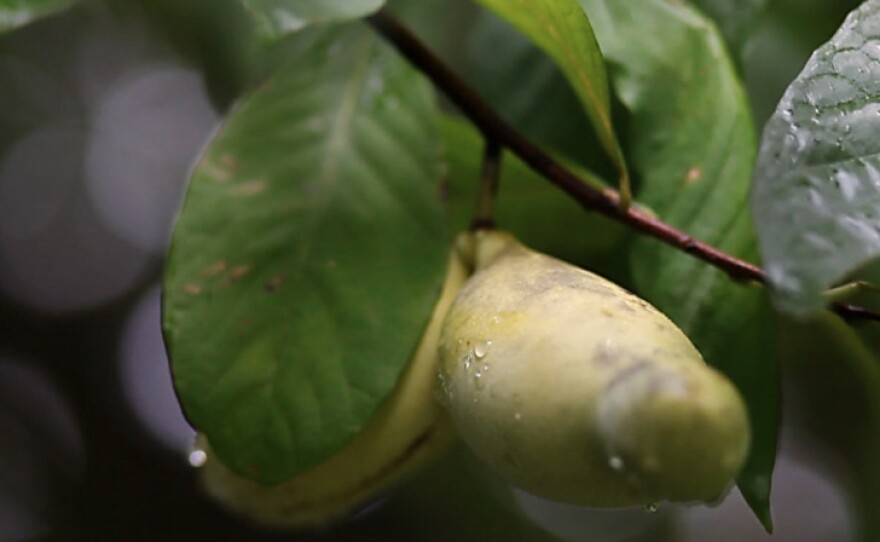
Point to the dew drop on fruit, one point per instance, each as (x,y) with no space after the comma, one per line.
(478,380)
(481,349)
(468,360)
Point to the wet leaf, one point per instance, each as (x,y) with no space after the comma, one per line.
(816,195)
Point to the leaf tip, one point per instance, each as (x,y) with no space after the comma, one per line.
(757,497)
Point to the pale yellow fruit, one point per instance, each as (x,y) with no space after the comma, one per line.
(408,429)
(576,390)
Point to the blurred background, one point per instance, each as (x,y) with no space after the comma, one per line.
(102,111)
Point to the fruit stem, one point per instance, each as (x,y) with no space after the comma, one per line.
(485,210)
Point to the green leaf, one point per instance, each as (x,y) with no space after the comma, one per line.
(528,205)
(16,13)
(560,29)
(817,182)
(694,145)
(735,18)
(527,88)
(275,18)
(308,256)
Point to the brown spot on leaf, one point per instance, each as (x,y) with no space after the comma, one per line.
(250,188)
(216,172)
(236,273)
(192,289)
(228,161)
(274,282)
(214,269)
(693,175)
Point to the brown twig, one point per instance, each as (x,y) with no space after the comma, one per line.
(607,202)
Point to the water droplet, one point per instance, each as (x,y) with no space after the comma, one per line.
(197,457)
(616,463)
(478,380)
(468,360)
(848,184)
(444,393)
(481,348)
(652,507)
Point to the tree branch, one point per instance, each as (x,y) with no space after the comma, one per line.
(496,130)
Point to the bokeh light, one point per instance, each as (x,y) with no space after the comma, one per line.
(94,173)
(145,133)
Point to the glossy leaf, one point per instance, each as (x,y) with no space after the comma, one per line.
(275,18)
(527,88)
(16,13)
(560,29)
(735,18)
(538,213)
(816,197)
(693,145)
(308,256)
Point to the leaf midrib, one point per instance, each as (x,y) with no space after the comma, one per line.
(336,145)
